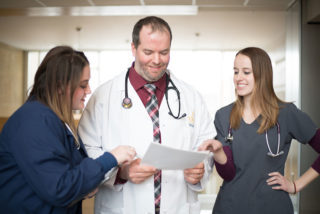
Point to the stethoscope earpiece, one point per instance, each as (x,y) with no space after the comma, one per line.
(183,115)
(177,117)
(229,139)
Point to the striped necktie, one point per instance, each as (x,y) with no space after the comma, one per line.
(153,111)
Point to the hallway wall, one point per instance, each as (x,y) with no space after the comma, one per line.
(11,79)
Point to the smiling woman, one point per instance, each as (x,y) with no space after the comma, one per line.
(256,131)
(243,77)
(82,90)
(53,173)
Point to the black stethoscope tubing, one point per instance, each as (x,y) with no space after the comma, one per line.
(127,103)
(168,79)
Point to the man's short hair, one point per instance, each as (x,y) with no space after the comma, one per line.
(156,23)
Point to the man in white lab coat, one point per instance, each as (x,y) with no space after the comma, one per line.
(116,114)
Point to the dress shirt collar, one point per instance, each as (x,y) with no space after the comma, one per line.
(138,82)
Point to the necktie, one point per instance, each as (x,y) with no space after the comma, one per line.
(153,111)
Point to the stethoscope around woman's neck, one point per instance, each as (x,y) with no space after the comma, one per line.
(229,139)
(127,103)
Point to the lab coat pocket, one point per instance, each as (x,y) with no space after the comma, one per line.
(108,201)
(175,133)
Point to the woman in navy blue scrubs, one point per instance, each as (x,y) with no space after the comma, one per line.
(44,167)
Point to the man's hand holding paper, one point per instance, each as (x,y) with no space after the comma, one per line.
(195,174)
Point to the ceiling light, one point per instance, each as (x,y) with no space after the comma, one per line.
(104,11)
(134,10)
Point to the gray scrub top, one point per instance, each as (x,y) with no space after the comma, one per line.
(248,191)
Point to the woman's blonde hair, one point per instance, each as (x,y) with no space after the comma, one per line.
(263,95)
(60,70)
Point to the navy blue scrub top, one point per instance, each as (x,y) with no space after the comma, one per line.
(248,192)
(41,170)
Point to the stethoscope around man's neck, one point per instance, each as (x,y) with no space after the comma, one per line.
(229,139)
(127,102)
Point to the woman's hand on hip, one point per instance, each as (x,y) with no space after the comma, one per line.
(279,182)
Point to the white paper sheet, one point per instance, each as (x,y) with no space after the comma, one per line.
(164,157)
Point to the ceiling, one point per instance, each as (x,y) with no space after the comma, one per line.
(219,24)
(262,4)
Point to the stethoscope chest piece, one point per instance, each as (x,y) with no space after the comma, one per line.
(126,103)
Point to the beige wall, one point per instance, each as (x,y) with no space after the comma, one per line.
(11,79)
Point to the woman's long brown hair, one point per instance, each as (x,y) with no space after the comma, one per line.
(263,98)
(60,70)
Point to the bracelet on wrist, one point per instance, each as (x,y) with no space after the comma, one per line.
(295,188)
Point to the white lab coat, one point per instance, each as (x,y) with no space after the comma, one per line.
(105,124)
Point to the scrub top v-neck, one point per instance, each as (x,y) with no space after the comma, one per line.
(248,192)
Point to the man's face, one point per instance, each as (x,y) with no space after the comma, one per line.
(152,55)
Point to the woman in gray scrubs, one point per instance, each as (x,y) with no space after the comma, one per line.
(256,132)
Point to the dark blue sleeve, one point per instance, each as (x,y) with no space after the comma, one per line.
(47,161)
